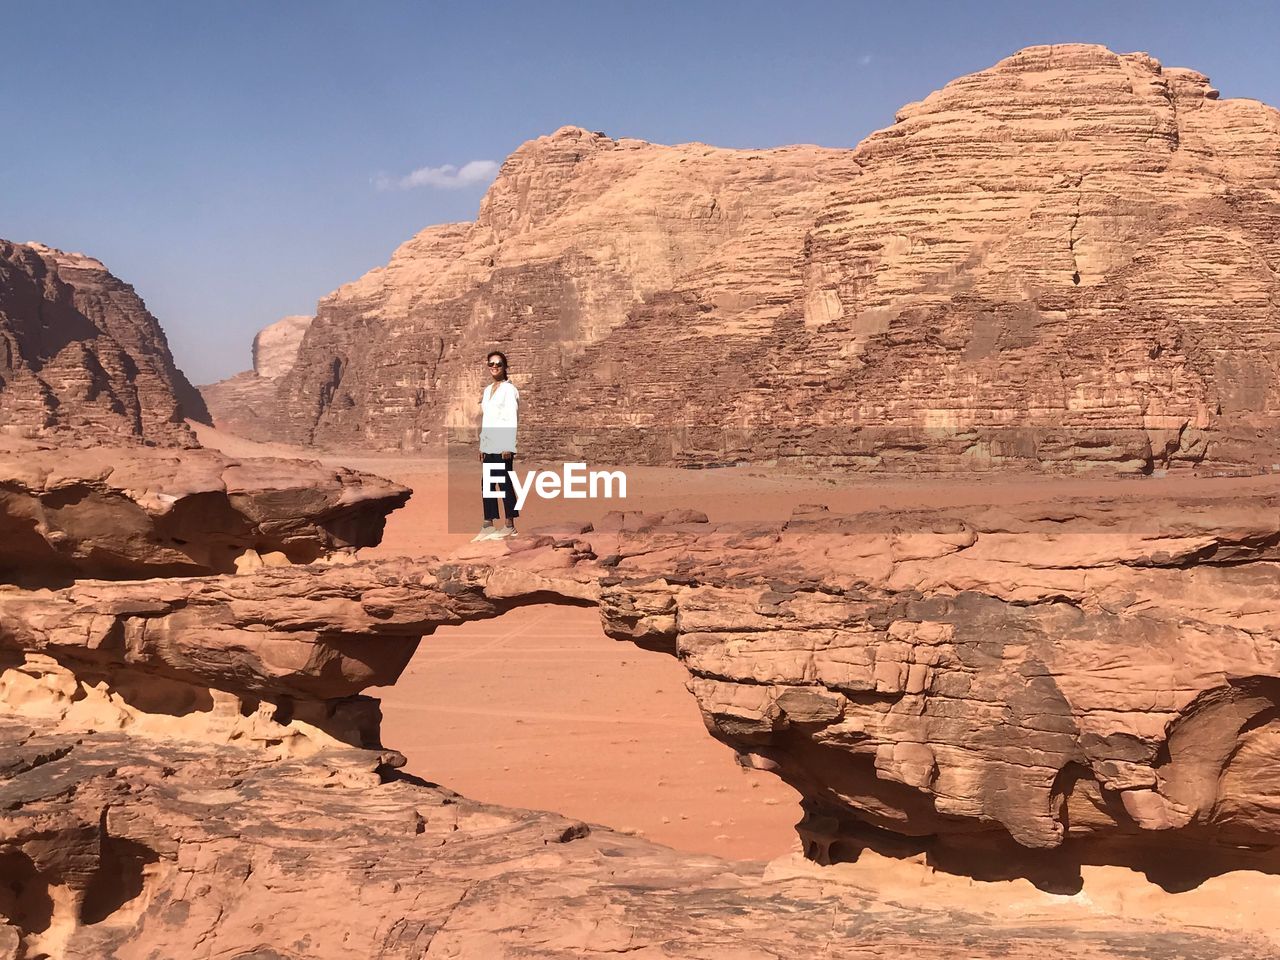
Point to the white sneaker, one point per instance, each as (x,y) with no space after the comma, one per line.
(504,532)
(486,533)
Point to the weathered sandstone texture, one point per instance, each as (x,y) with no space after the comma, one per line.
(275,348)
(283,646)
(81,358)
(1064,262)
(1005,691)
(134,848)
(243,401)
(132,512)
(1094,682)
(187,766)
(1074,244)
(578,230)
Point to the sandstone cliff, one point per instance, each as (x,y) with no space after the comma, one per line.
(81,358)
(275,348)
(1066,261)
(245,403)
(578,229)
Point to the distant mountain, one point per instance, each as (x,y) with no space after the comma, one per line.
(246,403)
(1067,261)
(81,358)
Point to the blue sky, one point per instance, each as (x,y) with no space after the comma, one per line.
(235,161)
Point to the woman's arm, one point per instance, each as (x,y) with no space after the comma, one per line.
(510,414)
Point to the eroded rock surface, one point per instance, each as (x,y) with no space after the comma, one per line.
(1092,681)
(81,358)
(1064,683)
(129,512)
(1096,680)
(578,230)
(275,348)
(279,645)
(124,847)
(1065,262)
(1021,692)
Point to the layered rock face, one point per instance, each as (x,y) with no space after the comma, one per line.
(1065,684)
(134,512)
(81,358)
(578,229)
(242,402)
(277,657)
(275,348)
(1075,244)
(1007,692)
(1003,690)
(1066,261)
(189,764)
(118,846)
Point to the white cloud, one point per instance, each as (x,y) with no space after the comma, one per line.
(447,177)
(865,59)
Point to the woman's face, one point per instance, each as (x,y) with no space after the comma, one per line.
(497,369)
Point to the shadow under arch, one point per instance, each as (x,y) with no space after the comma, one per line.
(1218,773)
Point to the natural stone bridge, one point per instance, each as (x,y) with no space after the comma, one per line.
(1005,692)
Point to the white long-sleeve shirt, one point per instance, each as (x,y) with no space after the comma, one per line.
(498,411)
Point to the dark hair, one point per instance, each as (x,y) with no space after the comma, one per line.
(497,353)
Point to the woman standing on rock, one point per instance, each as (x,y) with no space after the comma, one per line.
(499,406)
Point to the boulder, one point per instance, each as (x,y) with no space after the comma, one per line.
(132,512)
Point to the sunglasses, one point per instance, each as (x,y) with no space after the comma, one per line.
(496,363)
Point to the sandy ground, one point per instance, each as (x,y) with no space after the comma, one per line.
(540,709)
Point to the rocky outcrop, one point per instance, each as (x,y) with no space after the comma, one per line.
(1004,690)
(1061,684)
(239,404)
(120,846)
(189,764)
(290,648)
(275,348)
(1065,262)
(1077,245)
(81,358)
(134,512)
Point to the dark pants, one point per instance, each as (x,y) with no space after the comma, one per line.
(502,481)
